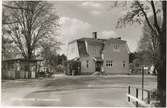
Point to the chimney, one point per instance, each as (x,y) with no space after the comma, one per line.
(94,34)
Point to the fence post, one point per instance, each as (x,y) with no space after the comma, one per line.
(128,93)
(136,96)
(148,97)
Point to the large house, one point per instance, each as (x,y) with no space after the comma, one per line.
(104,55)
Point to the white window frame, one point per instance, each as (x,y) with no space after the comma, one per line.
(109,63)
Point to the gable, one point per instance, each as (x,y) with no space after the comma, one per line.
(115,46)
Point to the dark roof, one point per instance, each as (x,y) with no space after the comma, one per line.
(82,48)
(115,40)
(89,39)
(101,42)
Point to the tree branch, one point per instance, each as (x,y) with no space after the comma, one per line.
(13,7)
(19,46)
(155,17)
(147,20)
(6,23)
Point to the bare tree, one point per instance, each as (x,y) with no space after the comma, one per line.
(48,52)
(30,22)
(149,42)
(8,50)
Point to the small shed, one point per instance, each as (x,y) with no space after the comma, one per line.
(17,68)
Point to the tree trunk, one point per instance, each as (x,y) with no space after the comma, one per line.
(161,85)
(29,62)
(161,77)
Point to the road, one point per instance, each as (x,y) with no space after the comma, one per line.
(68,91)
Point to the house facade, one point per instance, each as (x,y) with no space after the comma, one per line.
(104,55)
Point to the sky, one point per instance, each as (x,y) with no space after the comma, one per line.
(80,18)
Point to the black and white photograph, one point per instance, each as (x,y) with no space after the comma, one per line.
(88,53)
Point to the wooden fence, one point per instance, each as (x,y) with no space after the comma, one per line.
(136,98)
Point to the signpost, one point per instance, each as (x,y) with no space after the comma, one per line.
(142,81)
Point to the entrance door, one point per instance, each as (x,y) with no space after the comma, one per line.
(98,66)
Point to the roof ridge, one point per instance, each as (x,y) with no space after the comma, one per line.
(98,39)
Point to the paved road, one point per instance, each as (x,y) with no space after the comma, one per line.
(92,91)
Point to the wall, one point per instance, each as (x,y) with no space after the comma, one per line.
(8,71)
(93,49)
(117,56)
(91,65)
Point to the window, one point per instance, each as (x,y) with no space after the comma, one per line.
(87,63)
(116,46)
(108,63)
(124,64)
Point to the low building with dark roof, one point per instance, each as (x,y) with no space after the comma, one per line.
(17,68)
(104,55)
